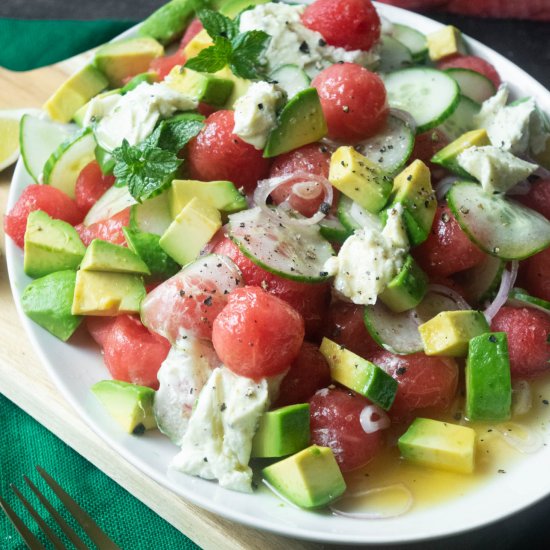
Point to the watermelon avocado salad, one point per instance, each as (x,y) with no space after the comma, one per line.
(298,236)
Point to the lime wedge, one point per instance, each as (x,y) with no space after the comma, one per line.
(9,136)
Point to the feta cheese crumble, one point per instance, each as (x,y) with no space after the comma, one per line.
(255,113)
(370,259)
(133,116)
(494,168)
(293,43)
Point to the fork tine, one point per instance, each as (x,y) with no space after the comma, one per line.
(95,533)
(30,540)
(52,537)
(65,527)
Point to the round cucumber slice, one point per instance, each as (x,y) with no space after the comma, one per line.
(500,227)
(291,79)
(462,120)
(481,282)
(429,95)
(391,147)
(295,252)
(65,163)
(353,217)
(398,332)
(152,215)
(520,298)
(113,201)
(38,139)
(472,84)
(332,229)
(393,55)
(415,41)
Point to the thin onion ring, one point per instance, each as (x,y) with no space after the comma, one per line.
(506,283)
(532,444)
(371,426)
(450,293)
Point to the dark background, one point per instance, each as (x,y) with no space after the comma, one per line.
(527,44)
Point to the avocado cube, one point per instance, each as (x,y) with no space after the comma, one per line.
(222,195)
(130,405)
(488,382)
(123,58)
(105,256)
(449,332)
(359,178)
(439,445)
(413,189)
(407,289)
(240,86)
(50,245)
(48,300)
(309,479)
(199,42)
(193,227)
(169,21)
(205,87)
(358,374)
(75,93)
(232,8)
(447,157)
(445,42)
(300,122)
(103,293)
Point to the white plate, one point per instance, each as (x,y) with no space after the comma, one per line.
(77,365)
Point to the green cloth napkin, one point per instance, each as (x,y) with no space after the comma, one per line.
(25,443)
(29,44)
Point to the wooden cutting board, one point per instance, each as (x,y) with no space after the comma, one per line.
(24,380)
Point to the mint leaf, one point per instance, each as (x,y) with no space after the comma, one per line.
(212,59)
(217,24)
(246,58)
(145,170)
(174,135)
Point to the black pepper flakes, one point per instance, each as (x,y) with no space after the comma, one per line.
(304,47)
(208,301)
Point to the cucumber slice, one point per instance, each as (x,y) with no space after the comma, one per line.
(294,252)
(398,332)
(481,282)
(353,217)
(520,298)
(65,163)
(332,229)
(500,227)
(113,201)
(462,120)
(291,79)
(429,95)
(38,139)
(391,147)
(105,160)
(393,55)
(472,84)
(152,215)
(415,41)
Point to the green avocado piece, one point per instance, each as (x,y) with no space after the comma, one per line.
(123,58)
(358,374)
(105,256)
(105,294)
(75,92)
(282,432)
(439,445)
(449,332)
(407,289)
(204,87)
(222,195)
(300,122)
(48,301)
(129,404)
(147,247)
(50,245)
(232,8)
(488,382)
(309,479)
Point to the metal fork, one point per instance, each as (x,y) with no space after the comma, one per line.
(97,536)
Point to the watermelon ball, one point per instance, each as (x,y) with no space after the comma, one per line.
(308,373)
(257,334)
(218,154)
(90,185)
(353,100)
(51,200)
(348,24)
(335,423)
(528,331)
(536,275)
(473,63)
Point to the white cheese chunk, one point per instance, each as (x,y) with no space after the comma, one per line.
(133,116)
(255,113)
(370,259)
(293,43)
(182,375)
(494,168)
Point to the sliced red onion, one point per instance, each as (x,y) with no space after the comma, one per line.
(522,399)
(506,283)
(345,505)
(304,180)
(531,443)
(443,187)
(521,188)
(542,172)
(373,419)
(450,293)
(405,116)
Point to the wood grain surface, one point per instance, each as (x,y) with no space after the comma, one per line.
(25,382)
